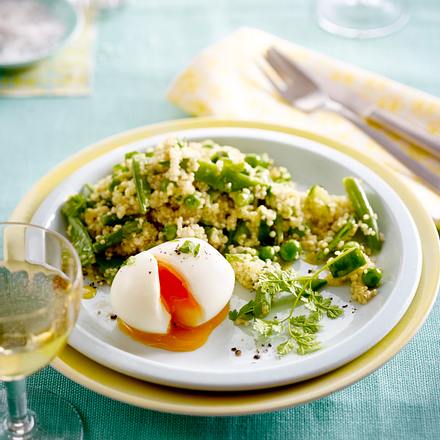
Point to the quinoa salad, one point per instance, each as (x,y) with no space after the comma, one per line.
(244,205)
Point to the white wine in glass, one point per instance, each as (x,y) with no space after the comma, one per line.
(40,291)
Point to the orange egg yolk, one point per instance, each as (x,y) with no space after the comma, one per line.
(183,334)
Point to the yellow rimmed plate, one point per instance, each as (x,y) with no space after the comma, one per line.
(115,385)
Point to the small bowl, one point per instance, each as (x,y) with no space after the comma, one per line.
(69,16)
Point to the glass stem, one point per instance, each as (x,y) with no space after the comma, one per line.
(20,420)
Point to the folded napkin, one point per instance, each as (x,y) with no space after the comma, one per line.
(68,73)
(225,81)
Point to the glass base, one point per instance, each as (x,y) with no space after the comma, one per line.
(55,417)
(362,18)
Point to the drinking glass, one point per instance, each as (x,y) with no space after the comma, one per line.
(40,292)
(362,18)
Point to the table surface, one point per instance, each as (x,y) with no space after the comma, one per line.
(140,48)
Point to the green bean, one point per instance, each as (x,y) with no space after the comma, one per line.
(81,240)
(233,177)
(110,220)
(170,231)
(266,253)
(192,201)
(208,173)
(117,236)
(346,231)
(262,304)
(347,262)
(290,250)
(230,178)
(113,219)
(317,284)
(364,211)
(142,188)
(372,277)
(74,206)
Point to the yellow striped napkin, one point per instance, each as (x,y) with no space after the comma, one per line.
(224,81)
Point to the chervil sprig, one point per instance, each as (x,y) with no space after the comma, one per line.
(283,287)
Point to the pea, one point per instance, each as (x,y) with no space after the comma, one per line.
(170,231)
(192,201)
(266,253)
(290,250)
(372,277)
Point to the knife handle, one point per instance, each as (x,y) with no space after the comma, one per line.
(428,176)
(406,130)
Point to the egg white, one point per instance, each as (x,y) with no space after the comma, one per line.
(135,295)
(135,291)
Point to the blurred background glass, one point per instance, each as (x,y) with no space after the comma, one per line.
(362,18)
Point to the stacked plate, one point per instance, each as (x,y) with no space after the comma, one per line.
(212,380)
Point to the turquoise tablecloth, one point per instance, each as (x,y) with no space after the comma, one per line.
(140,48)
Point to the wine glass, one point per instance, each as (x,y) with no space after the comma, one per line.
(40,291)
(362,18)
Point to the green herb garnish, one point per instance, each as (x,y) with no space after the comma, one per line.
(276,287)
(189,247)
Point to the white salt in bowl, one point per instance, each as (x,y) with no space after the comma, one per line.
(35,30)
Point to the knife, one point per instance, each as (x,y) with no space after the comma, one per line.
(410,131)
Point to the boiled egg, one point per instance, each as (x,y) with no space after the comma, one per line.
(173,295)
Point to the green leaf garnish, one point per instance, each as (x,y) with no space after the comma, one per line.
(285,347)
(189,247)
(244,314)
(325,306)
(308,324)
(267,328)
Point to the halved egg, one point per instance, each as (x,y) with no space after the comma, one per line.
(173,295)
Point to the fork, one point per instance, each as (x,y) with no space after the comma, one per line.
(302,92)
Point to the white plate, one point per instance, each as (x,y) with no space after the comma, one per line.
(214,366)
